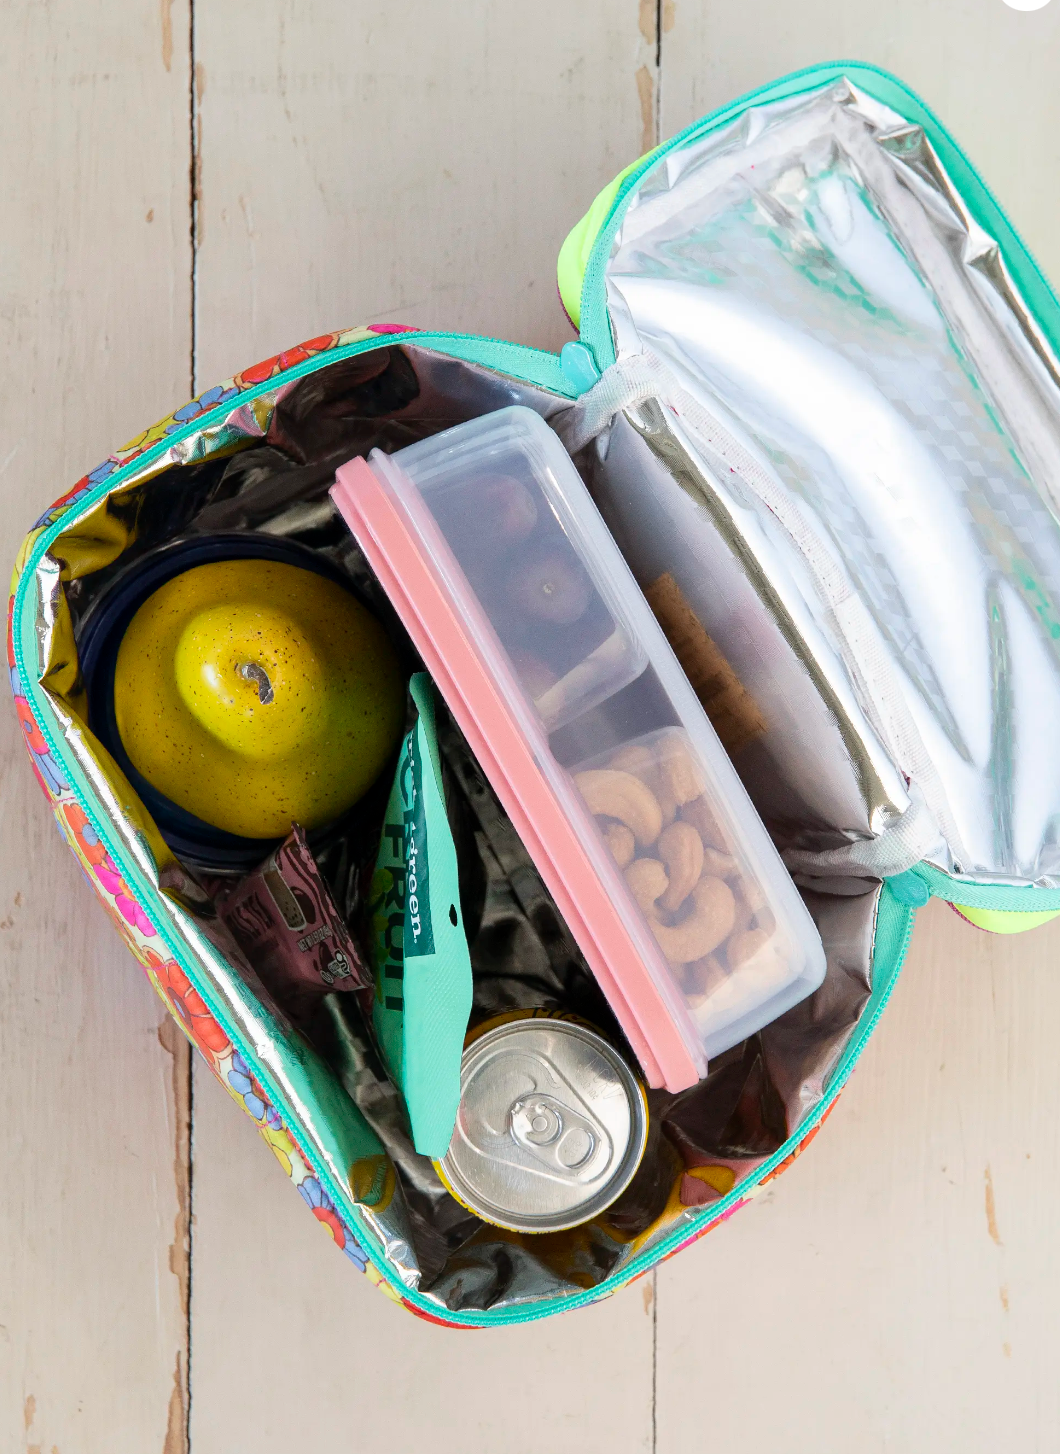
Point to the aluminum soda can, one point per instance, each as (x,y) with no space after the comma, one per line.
(551,1127)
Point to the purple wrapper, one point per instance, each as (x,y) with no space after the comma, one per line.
(287,924)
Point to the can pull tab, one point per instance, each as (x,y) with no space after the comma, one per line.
(552,1132)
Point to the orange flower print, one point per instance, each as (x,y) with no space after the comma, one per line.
(188,1006)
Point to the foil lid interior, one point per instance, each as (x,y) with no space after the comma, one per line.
(812,279)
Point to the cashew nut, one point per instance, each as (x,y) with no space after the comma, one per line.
(620,842)
(752,912)
(702,976)
(721,865)
(703,928)
(752,892)
(681,850)
(610,793)
(764,920)
(640,760)
(708,923)
(678,772)
(743,946)
(667,802)
(647,881)
(698,813)
(744,917)
(635,758)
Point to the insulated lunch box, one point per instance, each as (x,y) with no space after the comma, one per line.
(802,467)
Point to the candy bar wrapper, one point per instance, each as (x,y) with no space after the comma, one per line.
(287,924)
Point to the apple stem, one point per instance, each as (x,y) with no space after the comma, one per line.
(251,672)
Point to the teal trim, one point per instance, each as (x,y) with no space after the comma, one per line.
(532,365)
(1009,898)
(579,366)
(981,203)
(909,888)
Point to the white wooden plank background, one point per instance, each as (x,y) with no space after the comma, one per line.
(94,313)
(897,1289)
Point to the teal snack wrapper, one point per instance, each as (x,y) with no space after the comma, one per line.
(422,965)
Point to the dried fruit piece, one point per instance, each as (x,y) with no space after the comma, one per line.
(536,675)
(505,509)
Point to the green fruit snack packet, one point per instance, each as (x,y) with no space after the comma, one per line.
(422,966)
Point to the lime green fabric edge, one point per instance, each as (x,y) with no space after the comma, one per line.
(578,244)
(997,921)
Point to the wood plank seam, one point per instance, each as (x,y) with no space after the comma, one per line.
(176,1045)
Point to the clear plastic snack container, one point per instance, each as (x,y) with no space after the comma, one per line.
(554,667)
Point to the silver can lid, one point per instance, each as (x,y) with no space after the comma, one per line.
(551,1127)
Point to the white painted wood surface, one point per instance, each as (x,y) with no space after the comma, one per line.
(897,1289)
(291,1347)
(415,164)
(94,313)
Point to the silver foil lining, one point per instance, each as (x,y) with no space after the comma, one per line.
(812,277)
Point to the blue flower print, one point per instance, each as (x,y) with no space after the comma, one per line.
(192,410)
(240,1081)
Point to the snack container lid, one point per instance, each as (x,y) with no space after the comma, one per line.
(554,667)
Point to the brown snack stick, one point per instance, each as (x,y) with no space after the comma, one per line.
(734,713)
